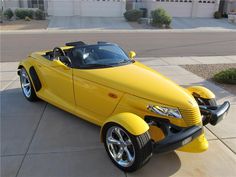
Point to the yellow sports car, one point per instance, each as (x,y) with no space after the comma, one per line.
(141,112)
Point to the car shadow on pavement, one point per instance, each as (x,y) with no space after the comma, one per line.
(162,165)
(59,131)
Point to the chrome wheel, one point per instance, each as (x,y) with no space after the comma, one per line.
(120,146)
(25,83)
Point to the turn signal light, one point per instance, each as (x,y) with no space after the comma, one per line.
(112,95)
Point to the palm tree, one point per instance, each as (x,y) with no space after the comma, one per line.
(2,5)
(222,7)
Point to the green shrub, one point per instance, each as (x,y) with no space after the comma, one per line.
(133,15)
(160,17)
(8,13)
(39,15)
(217,15)
(22,13)
(227,76)
(225,15)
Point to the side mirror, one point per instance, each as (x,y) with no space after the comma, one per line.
(132,54)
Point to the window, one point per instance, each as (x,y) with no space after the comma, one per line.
(99,56)
(36,4)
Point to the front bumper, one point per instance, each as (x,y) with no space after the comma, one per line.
(214,114)
(175,136)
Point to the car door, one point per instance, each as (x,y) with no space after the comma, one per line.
(93,99)
(57,84)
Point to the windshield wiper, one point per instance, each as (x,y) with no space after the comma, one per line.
(96,65)
(122,62)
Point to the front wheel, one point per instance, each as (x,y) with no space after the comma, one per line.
(26,86)
(127,152)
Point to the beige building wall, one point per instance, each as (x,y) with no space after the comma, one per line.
(231,6)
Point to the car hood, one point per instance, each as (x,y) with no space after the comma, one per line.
(141,81)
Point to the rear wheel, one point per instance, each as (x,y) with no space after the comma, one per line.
(127,152)
(26,86)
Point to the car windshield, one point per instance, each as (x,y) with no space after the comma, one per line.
(99,56)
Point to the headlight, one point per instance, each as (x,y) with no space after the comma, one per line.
(165,111)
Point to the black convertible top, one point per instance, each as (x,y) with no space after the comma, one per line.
(81,43)
(78,43)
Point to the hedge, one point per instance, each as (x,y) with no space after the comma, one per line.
(133,15)
(227,76)
(22,13)
(160,17)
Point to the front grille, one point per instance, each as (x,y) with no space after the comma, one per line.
(191,116)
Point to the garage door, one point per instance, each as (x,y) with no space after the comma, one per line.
(206,8)
(87,8)
(102,8)
(174,8)
(184,8)
(60,7)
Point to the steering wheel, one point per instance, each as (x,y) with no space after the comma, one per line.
(57,52)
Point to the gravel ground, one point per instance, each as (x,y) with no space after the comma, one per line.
(136,25)
(208,71)
(24,25)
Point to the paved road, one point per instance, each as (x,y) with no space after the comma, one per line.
(155,44)
(203,23)
(40,140)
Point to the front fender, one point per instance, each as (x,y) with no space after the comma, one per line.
(131,122)
(201,92)
(32,73)
(24,63)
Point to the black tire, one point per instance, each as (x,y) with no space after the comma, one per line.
(207,102)
(31,96)
(142,148)
(210,102)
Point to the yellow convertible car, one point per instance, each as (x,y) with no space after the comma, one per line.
(141,112)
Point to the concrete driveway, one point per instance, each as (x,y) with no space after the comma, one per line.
(201,23)
(77,22)
(40,140)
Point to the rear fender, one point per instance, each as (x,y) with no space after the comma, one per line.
(134,124)
(199,91)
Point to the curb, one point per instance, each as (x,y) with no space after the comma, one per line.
(189,60)
(42,31)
